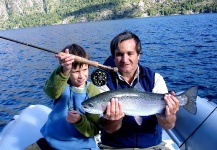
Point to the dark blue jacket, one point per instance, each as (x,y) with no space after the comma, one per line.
(132,135)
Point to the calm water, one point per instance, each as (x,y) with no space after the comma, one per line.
(182,48)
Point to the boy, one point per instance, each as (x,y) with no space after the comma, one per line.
(68,126)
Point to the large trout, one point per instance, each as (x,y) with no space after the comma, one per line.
(137,103)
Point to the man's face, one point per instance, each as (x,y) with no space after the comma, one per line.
(126,57)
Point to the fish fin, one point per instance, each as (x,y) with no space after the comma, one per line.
(191,95)
(138,120)
(138,87)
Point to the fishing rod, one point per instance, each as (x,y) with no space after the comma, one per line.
(77,58)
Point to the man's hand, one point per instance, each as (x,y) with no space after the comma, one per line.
(172,106)
(113,110)
(113,116)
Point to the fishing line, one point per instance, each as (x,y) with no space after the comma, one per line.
(197,128)
(76,58)
(98,77)
(37,47)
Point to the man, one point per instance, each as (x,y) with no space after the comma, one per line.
(118,129)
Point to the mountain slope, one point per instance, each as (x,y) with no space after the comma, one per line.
(29,13)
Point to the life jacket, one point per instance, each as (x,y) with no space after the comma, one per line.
(132,135)
(146,77)
(61,134)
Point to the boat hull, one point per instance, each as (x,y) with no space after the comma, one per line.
(24,129)
(196,132)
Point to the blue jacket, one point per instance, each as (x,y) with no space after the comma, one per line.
(61,134)
(132,135)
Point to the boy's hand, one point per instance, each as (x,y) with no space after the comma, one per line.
(65,60)
(73,116)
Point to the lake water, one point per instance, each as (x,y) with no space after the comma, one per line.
(181,48)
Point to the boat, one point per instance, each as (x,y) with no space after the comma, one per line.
(196,132)
(24,129)
(191,132)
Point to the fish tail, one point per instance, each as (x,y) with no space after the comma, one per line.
(191,95)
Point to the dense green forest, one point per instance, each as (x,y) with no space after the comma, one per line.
(72,11)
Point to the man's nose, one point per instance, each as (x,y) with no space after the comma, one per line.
(124,58)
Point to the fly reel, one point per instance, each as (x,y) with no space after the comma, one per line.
(99,77)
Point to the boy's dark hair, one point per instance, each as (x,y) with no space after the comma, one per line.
(77,50)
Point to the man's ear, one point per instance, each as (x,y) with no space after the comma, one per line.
(138,56)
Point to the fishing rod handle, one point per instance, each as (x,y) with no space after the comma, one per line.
(94,63)
(86,61)
(115,69)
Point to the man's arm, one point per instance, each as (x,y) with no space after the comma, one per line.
(168,122)
(172,106)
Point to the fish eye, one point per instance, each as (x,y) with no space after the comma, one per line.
(90,105)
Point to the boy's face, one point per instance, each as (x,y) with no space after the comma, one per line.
(79,76)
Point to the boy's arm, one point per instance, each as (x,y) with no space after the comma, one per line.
(55,84)
(88,125)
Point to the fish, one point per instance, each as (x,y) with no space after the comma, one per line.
(140,103)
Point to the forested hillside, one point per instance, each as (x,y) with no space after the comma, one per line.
(29,13)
